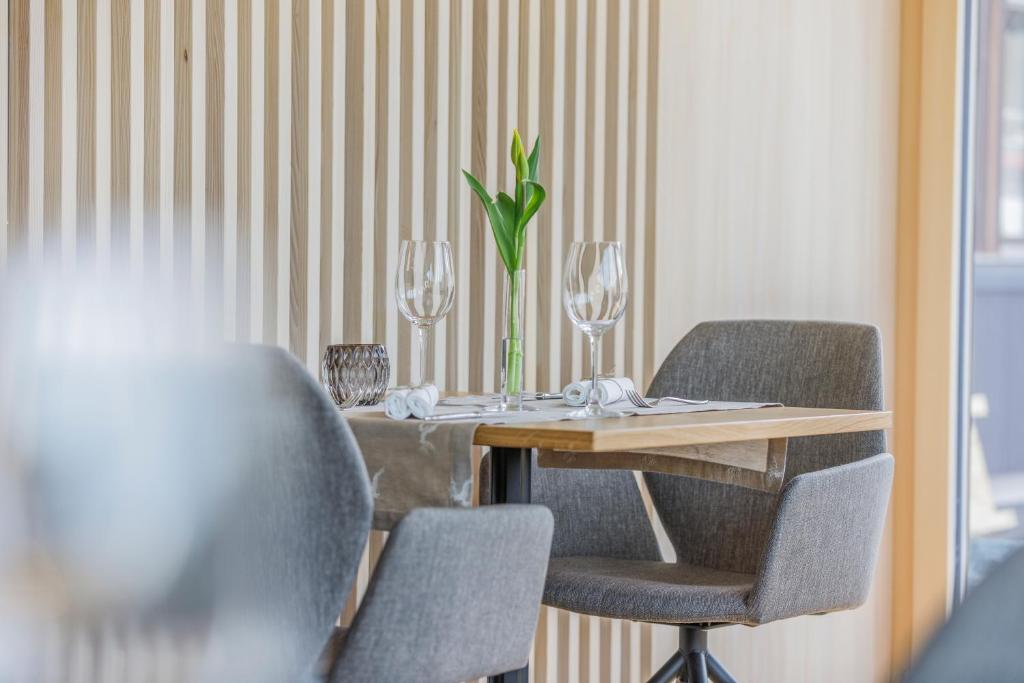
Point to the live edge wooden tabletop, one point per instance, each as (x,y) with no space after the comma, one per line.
(681,429)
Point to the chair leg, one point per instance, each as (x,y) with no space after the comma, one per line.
(696,667)
(671,670)
(718,672)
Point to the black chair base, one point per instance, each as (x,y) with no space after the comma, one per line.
(692,663)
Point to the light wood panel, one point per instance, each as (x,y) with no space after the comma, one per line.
(260,159)
(776,179)
(759,464)
(927,292)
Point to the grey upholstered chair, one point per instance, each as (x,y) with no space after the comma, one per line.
(742,556)
(429,611)
(981,641)
(271,495)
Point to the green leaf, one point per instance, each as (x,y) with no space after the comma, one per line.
(507,208)
(519,157)
(537,195)
(534,160)
(503,229)
(475,185)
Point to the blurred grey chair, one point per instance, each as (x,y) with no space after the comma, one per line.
(429,611)
(981,641)
(742,556)
(262,481)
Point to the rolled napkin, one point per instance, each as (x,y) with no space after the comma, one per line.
(609,390)
(396,405)
(418,402)
(421,401)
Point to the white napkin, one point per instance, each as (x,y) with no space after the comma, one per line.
(609,390)
(421,401)
(418,402)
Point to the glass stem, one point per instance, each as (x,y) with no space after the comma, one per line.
(423,334)
(593,395)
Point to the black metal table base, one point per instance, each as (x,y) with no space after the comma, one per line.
(510,483)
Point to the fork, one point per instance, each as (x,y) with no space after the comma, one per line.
(640,402)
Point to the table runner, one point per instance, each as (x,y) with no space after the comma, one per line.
(413,463)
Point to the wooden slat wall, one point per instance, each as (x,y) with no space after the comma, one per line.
(264,157)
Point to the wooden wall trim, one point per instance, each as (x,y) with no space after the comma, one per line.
(926,320)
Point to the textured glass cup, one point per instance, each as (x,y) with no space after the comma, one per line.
(355,374)
(424,290)
(595,291)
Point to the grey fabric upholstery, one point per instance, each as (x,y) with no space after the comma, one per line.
(799,363)
(597,513)
(981,642)
(640,590)
(746,556)
(823,545)
(286,555)
(820,558)
(455,596)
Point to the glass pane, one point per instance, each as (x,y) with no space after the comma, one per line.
(996,406)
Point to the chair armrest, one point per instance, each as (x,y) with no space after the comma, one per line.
(821,552)
(455,596)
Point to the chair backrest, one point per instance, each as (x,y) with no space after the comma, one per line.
(981,641)
(798,363)
(455,597)
(221,497)
(598,513)
(304,515)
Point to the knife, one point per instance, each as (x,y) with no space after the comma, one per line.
(452,416)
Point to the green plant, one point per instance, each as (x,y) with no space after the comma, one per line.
(508,218)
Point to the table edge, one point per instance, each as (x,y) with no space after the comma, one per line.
(548,435)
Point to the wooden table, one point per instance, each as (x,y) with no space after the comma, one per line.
(745,447)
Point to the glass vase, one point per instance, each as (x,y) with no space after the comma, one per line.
(512,341)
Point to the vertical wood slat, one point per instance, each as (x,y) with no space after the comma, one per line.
(18,129)
(151,137)
(327,161)
(229,55)
(182,207)
(299,179)
(650,200)
(36,132)
(545,257)
(478,143)
(283,188)
(430,135)
(214,165)
(502,129)
(316,154)
(270,179)
(568,216)
(353,270)
(380,181)
(243,239)
(634,253)
(404,355)
(52,140)
(5,17)
(455,182)
(120,133)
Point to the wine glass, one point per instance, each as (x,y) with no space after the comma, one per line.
(424,289)
(595,291)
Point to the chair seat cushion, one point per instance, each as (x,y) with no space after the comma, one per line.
(640,590)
